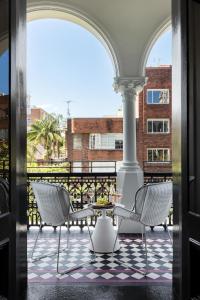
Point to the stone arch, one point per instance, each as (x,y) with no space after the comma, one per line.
(165,26)
(58,11)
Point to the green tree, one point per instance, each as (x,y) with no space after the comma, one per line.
(46,132)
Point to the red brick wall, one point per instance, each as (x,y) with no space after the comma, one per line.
(96,125)
(69,141)
(37,114)
(104,155)
(159,77)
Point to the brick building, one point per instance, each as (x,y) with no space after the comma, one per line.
(154,138)
(100,140)
(34,114)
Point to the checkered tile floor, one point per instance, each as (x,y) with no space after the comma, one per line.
(104,270)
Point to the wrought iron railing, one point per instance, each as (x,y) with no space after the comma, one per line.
(157,177)
(4,168)
(78,185)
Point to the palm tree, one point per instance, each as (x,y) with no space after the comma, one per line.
(46,132)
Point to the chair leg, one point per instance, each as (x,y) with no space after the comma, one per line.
(43,256)
(160,256)
(68,232)
(94,253)
(118,260)
(146,254)
(78,266)
(58,251)
(170,238)
(36,242)
(116,238)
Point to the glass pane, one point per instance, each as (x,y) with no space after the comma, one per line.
(150,158)
(149,125)
(156,97)
(166,126)
(157,155)
(158,126)
(118,144)
(164,97)
(4,105)
(77,142)
(166,155)
(149,97)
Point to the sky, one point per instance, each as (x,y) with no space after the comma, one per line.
(161,52)
(4,78)
(65,62)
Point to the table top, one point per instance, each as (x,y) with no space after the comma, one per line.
(107,206)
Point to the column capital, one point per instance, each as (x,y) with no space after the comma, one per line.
(130,85)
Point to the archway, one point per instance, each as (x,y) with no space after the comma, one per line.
(64,13)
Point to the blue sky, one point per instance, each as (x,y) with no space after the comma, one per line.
(4,67)
(161,51)
(66,62)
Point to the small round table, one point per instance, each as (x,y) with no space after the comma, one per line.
(104,234)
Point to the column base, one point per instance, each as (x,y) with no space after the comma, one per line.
(129,179)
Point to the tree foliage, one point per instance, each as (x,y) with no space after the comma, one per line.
(46,133)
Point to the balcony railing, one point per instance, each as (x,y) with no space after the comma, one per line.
(78,184)
(75,166)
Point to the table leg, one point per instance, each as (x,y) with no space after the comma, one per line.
(104,235)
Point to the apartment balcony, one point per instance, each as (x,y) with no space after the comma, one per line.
(104,271)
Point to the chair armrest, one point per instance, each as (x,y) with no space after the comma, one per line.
(125,213)
(81,214)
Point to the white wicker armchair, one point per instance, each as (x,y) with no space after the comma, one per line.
(55,209)
(151,208)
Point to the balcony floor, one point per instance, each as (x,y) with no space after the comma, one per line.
(104,277)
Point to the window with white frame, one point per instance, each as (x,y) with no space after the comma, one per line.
(158,155)
(77,141)
(77,167)
(157,96)
(158,126)
(106,141)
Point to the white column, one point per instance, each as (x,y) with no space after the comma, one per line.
(130,176)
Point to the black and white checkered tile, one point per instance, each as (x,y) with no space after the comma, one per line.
(104,270)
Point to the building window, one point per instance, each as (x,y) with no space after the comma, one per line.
(156,96)
(106,141)
(77,142)
(158,126)
(118,144)
(77,167)
(95,141)
(158,155)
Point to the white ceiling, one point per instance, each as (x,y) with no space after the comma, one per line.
(127,27)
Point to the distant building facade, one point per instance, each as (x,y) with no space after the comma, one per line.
(154,130)
(94,144)
(34,114)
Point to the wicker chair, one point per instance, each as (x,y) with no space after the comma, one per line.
(151,208)
(55,209)
(4,196)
